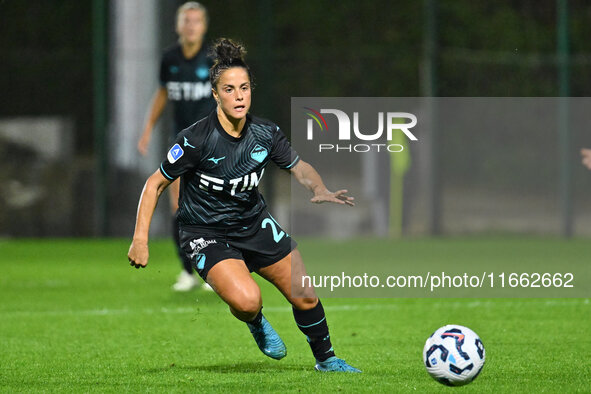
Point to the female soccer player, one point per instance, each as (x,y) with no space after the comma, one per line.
(184,80)
(226,229)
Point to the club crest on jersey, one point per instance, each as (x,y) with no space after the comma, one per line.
(175,153)
(202,72)
(258,153)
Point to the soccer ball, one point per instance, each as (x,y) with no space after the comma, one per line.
(454,355)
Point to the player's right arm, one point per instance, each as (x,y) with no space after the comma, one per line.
(138,251)
(156,107)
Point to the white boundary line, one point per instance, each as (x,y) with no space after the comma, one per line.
(285,309)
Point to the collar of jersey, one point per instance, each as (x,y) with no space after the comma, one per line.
(201,50)
(223,133)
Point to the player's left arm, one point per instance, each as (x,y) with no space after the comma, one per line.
(311,180)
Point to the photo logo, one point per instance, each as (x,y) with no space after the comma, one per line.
(315,116)
(397,126)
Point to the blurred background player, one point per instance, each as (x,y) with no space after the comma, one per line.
(586,157)
(226,228)
(184,80)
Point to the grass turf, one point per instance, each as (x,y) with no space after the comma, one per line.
(76,317)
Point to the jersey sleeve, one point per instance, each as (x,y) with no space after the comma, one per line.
(282,153)
(181,157)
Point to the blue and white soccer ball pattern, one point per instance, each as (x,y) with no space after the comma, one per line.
(454,355)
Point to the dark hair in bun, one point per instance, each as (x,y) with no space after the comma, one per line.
(227,54)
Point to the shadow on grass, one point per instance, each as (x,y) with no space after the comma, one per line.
(246,367)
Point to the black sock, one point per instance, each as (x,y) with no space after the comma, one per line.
(313,324)
(185,261)
(257,320)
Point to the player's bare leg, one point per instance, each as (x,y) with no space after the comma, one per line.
(231,280)
(286,275)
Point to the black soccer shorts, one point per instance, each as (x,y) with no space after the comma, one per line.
(258,247)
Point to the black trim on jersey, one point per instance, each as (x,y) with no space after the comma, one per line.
(229,137)
(293,163)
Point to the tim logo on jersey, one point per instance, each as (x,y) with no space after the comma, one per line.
(398,125)
(237,185)
(188,91)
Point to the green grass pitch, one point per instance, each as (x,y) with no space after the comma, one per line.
(75,317)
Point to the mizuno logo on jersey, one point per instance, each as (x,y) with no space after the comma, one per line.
(216,161)
(186,143)
(175,153)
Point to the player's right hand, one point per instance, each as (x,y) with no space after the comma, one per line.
(138,254)
(143,143)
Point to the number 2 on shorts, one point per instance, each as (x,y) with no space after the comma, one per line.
(277,236)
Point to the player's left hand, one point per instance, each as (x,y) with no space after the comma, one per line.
(338,197)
